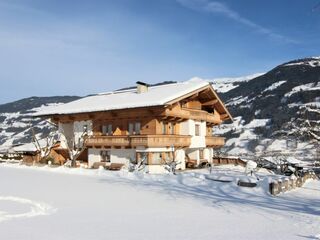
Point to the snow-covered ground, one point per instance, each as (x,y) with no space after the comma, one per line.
(61,203)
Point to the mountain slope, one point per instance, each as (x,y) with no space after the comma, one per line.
(15,120)
(265,107)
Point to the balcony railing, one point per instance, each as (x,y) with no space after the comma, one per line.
(139,140)
(186,113)
(214,141)
(100,141)
(161,141)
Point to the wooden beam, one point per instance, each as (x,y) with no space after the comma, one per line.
(210,103)
(223,116)
(194,96)
(206,92)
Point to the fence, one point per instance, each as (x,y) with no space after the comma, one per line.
(222,161)
(286,184)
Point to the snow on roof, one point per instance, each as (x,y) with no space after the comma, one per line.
(30,147)
(155,96)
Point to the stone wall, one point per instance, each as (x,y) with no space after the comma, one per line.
(288,183)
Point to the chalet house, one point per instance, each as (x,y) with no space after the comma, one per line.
(156,123)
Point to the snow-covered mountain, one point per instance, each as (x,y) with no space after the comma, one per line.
(269,109)
(16,122)
(222,85)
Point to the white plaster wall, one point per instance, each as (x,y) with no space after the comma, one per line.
(78,130)
(66,134)
(193,153)
(122,155)
(199,141)
(206,154)
(210,150)
(180,157)
(93,156)
(116,155)
(188,128)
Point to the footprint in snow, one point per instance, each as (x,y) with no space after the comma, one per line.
(16,207)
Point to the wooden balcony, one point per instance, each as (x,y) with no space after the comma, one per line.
(214,141)
(139,140)
(161,141)
(112,141)
(213,118)
(186,113)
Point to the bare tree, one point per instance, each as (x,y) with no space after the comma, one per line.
(44,145)
(74,149)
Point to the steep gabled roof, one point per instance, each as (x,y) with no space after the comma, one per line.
(155,96)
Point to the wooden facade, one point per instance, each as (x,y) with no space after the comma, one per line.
(138,140)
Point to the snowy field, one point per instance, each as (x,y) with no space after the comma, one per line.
(60,203)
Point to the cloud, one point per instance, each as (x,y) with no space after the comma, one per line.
(222,9)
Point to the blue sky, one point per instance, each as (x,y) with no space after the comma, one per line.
(66,47)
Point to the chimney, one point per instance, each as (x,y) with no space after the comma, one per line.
(142,87)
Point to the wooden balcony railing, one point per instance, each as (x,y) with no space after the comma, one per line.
(186,113)
(214,141)
(161,140)
(101,141)
(139,140)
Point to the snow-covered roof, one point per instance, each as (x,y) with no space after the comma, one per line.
(29,147)
(155,96)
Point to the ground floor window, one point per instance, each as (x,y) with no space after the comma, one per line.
(142,156)
(154,158)
(201,155)
(160,158)
(105,156)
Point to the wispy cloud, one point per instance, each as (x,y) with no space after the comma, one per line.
(222,9)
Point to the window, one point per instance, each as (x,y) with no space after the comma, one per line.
(156,158)
(130,129)
(104,129)
(110,129)
(137,128)
(171,128)
(142,157)
(107,129)
(201,154)
(167,156)
(164,128)
(134,128)
(160,158)
(197,129)
(105,156)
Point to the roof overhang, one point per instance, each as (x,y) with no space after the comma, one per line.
(219,105)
